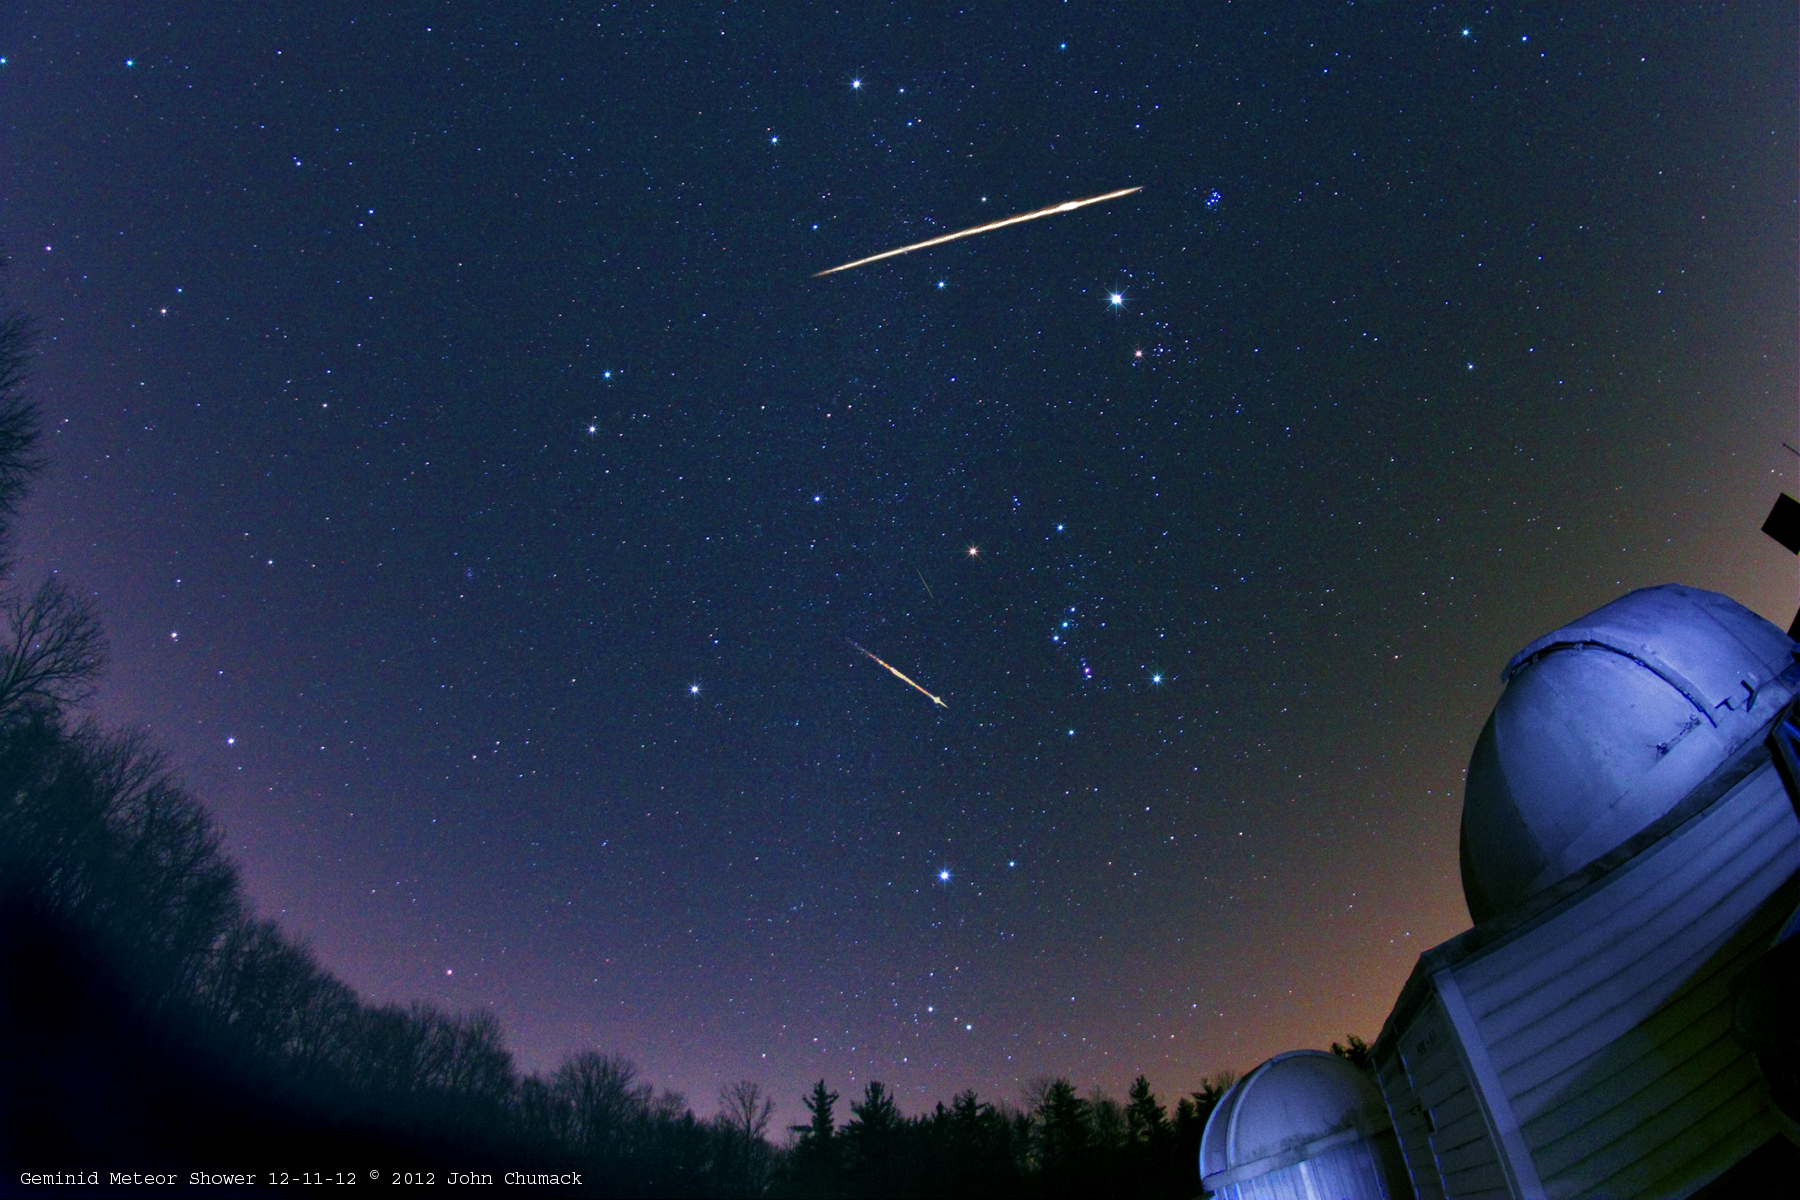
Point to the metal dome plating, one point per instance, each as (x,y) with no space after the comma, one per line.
(1604,726)
(1304,1123)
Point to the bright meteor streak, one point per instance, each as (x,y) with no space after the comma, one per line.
(907,681)
(1065,206)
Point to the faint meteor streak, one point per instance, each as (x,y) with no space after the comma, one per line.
(928,592)
(905,680)
(1065,206)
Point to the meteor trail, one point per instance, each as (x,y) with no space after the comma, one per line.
(907,681)
(933,594)
(1065,206)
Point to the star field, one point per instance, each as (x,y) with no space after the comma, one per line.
(486,505)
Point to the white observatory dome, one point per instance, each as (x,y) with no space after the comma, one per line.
(1303,1124)
(1607,724)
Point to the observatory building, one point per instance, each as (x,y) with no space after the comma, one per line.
(1303,1124)
(1621,1021)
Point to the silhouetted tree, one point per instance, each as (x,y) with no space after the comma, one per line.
(1147,1122)
(872,1142)
(1155,1164)
(20,459)
(821,1128)
(1065,1136)
(596,1099)
(1192,1111)
(972,1149)
(272,1001)
(814,1166)
(744,1114)
(1356,1052)
(54,648)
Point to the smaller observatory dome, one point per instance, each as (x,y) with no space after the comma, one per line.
(1607,724)
(1303,1124)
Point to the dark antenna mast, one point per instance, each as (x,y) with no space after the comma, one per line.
(1783,524)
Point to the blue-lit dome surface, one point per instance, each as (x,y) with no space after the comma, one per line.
(1607,724)
(1302,1116)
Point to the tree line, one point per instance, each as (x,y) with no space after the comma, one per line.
(150,1021)
(1055,1143)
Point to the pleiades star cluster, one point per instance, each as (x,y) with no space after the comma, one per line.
(496,517)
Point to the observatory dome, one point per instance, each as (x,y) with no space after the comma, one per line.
(1303,1123)
(1607,724)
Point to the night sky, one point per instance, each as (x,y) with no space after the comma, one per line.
(482,496)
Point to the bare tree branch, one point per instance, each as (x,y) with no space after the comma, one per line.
(20,459)
(54,645)
(744,1109)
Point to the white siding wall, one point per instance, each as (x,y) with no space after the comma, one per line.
(1347,1172)
(1449,1151)
(1605,1026)
(1411,1125)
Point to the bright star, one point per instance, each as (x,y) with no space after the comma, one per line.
(944,875)
(1156,679)
(773,139)
(855,85)
(593,428)
(693,689)
(1116,300)
(973,552)
(940,283)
